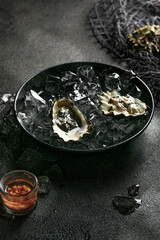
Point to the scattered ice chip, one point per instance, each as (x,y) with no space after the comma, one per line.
(133,190)
(6,105)
(44,185)
(7,96)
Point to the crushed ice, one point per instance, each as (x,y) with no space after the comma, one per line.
(83,88)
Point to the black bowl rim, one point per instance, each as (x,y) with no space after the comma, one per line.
(90,150)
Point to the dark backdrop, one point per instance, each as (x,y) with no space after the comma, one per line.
(35,35)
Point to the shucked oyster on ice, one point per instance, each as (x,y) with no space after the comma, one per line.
(113,102)
(68,122)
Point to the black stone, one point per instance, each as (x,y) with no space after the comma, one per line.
(6,163)
(133,190)
(125,205)
(30,160)
(54,173)
(28,141)
(49,155)
(13,141)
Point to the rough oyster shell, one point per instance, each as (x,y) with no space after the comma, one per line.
(145,39)
(113,102)
(68,122)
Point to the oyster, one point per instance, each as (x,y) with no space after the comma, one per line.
(146,38)
(113,102)
(68,122)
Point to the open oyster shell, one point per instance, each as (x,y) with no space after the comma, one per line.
(113,102)
(68,122)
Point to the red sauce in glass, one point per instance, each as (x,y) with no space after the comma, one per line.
(20,196)
(18,189)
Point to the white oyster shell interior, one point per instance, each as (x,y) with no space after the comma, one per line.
(113,102)
(68,121)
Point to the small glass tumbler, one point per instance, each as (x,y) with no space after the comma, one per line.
(19,192)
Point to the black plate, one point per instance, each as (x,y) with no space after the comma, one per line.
(36,82)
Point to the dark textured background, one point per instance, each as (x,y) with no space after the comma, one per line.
(35,35)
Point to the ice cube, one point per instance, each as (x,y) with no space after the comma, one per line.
(37,97)
(42,133)
(27,115)
(52,85)
(38,132)
(111,81)
(68,76)
(77,93)
(32,99)
(70,86)
(128,86)
(86,73)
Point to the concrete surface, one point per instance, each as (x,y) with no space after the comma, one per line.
(35,35)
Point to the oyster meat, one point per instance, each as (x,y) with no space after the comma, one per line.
(113,102)
(146,38)
(68,122)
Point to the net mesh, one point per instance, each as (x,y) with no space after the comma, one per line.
(112,21)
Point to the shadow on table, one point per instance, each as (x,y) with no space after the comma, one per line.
(77,166)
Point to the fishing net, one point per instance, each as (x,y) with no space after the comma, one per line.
(113,20)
